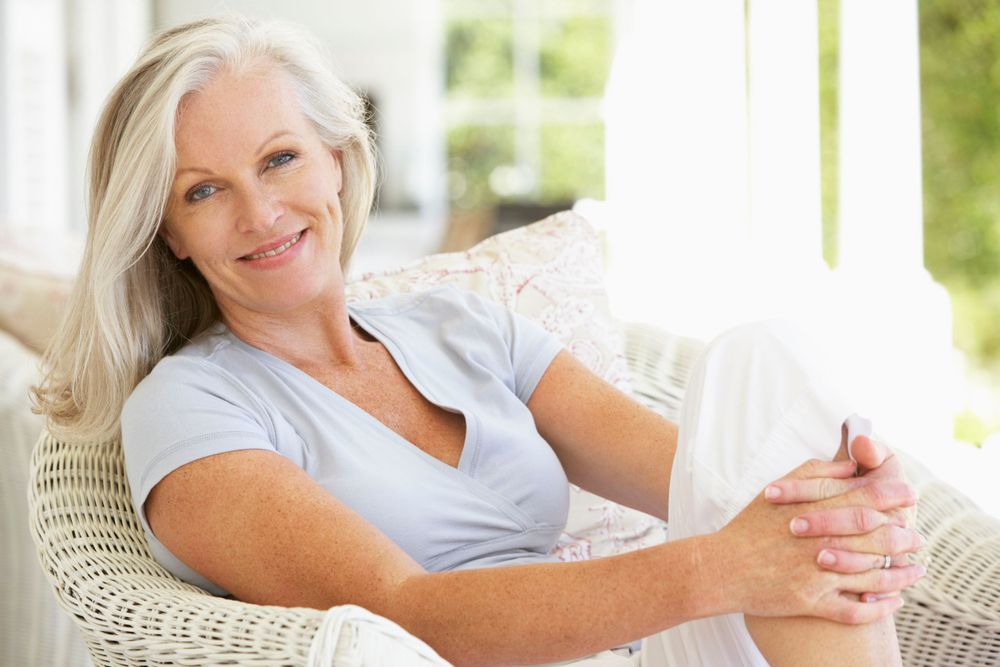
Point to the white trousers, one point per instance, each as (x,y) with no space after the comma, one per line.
(756,407)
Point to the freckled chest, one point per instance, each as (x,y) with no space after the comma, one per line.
(384,392)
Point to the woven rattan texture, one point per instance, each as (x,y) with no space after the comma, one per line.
(132,612)
(129,609)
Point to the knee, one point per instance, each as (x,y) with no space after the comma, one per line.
(767,341)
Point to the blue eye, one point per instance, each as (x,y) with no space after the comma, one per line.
(281,159)
(201,192)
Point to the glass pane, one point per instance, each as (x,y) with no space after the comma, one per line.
(572,162)
(474,153)
(479,58)
(575,56)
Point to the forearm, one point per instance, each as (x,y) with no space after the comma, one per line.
(556,611)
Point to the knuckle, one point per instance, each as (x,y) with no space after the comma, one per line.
(851,615)
(811,466)
(896,540)
(876,494)
(862,520)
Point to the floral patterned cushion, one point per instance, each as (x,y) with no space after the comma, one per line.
(552,272)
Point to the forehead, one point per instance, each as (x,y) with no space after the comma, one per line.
(235,112)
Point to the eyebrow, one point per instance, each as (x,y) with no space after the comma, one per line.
(276,135)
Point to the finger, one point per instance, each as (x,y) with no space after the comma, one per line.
(877,494)
(850,562)
(811,490)
(884,581)
(892,540)
(869,452)
(840,521)
(875,597)
(845,610)
(816,468)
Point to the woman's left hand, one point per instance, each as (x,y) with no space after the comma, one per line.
(879,470)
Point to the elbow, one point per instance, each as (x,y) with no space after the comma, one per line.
(423,608)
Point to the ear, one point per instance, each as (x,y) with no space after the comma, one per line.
(337,161)
(173,242)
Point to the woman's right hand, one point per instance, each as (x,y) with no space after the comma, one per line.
(769,571)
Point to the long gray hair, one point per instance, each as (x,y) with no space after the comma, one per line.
(134,302)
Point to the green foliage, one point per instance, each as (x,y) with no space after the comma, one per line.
(960,87)
(575,56)
(969,427)
(479,57)
(473,152)
(960,77)
(829,98)
(975,310)
(572,162)
(572,62)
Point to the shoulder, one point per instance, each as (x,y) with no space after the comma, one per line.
(439,304)
(204,371)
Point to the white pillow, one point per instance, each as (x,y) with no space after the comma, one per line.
(550,271)
(31,303)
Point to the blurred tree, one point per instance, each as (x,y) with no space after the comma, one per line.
(575,56)
(960,82)
(829,71)
(480,57)
(572,162)
(524,89)
(474,151)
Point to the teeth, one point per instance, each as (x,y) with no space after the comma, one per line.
(276,251)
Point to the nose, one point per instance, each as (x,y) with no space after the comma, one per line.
(259,209)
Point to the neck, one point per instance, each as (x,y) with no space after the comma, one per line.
(314,335)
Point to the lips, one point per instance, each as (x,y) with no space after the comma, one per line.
(274,248)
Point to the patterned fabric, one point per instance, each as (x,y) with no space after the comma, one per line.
(552,272)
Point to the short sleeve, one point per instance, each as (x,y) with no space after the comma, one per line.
(530,347)
(186,409)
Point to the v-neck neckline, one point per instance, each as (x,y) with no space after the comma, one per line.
(466,458)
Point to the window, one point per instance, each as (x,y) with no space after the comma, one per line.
(524,83)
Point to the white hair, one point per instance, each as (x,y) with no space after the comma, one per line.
(134,302)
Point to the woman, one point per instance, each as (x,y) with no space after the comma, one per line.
(411,455)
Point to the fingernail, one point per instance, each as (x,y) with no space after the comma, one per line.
(921,570)
(827,558)
(900,602)
(923,541)
(772,492)
(799,526)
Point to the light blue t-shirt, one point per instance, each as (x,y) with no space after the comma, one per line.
(505,503)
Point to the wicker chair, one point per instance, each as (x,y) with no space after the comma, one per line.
(132,612)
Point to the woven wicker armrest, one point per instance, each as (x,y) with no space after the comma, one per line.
(952,617)
(129,609)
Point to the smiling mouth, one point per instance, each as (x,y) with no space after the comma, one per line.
(276,251)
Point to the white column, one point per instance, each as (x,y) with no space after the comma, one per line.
(783,89)
(676,161)
(881,211)
(894,320)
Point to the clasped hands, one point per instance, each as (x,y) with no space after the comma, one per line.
(831,539)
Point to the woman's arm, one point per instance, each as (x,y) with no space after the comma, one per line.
(617,448)
(607,442)
(255,524)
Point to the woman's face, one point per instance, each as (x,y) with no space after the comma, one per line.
(255,200)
